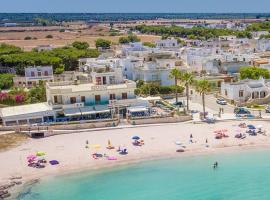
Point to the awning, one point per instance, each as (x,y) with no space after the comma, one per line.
(91,110)
(72,112)
(137,109)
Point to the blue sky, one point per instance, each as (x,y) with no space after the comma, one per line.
(135,6)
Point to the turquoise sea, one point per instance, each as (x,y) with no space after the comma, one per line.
(240,175)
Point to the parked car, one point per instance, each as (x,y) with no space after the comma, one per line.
(221,101)
(241,111)
(267,109)
(179,103)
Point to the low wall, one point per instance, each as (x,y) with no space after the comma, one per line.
(64,126)
(160,120)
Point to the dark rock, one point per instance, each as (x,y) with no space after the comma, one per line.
(3,192)
(16,177)
(5,195)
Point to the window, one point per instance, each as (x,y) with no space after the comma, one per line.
(226,92)
(98,80)
(104,80)
(32,74)
(155,77)
(112,96)
(46,73)
(112,80)
(55,99)
(97,99)
(72,100)
(124,95)
(39,73)
(82,98)
(241,93)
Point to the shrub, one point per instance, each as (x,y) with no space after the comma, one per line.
(28,38)
(49,36)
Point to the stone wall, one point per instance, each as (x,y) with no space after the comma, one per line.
(160,120)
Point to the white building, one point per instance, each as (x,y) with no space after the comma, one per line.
(33,75)
(26,114)
(245,90)
(65,94)
(156,68)
(263,45)
(258,34)
(167,43)
(44,48)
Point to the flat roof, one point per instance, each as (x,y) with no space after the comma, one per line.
(90,87)
(24,109)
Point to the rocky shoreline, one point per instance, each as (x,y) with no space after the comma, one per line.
(5,188)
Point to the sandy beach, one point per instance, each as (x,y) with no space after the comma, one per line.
(70,151)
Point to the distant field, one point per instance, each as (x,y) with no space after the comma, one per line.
(16,36)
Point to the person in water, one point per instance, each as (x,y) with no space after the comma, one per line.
(215,165)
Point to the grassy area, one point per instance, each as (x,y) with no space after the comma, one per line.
(11,140)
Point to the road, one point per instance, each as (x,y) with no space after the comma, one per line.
(210,102)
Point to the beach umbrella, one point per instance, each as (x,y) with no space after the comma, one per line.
(135,137)
(31,157)
(40,153)
(251,127)
(178,143)
(109,142)
(259,126)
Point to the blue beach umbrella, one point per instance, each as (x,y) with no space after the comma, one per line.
(251,127)
(135,137)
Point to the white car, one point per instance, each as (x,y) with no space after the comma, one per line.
(221,101)
(267,109)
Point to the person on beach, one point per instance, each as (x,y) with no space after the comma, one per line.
(86,144)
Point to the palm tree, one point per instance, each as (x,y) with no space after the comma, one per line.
(176,75)
(187,80)
(202,87)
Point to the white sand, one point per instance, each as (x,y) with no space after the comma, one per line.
(70,149)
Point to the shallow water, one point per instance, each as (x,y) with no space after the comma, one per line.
(240,175)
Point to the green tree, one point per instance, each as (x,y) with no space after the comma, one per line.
(37,94)
(123,40)
(149,44)
(187,79)
(60,69)
(80,45)
(176,75)
(105,44)
(255,73)
(203,86)
(9,49)
(133,38)
(6,81)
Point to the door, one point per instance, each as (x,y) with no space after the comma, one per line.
(97,99)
